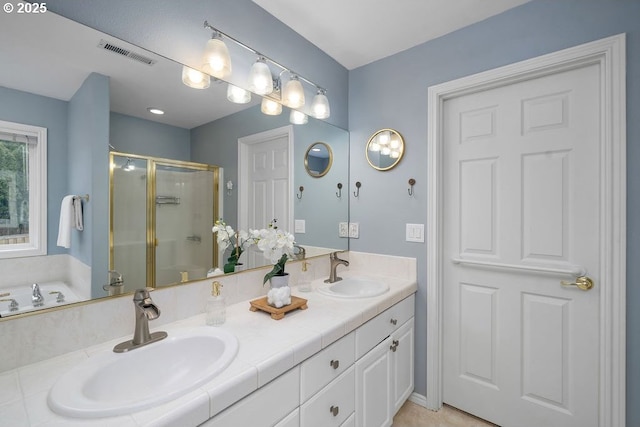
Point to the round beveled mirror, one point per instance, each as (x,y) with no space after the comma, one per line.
(318,159)
(385,149)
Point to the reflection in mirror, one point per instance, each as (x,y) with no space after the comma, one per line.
(385,149)
(94,101)
(161,213)
(318,159)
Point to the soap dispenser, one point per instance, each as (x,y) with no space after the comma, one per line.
(216,306)
(305,278)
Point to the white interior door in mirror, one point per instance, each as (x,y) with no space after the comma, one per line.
(265,184)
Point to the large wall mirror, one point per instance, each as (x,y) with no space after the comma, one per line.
(65,77)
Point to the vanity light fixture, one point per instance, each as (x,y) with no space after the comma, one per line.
(320,105)
(194,78)
(154,110)
(217,62)
(260,79)
(238,95)
(293,93)
(270,107)
(298,118)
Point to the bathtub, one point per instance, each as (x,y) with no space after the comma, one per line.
(22,295)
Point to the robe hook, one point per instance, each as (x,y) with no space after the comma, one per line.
(299,196)
(412,182)
(357,192)
(339,192)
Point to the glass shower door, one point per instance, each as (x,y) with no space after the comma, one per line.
(129,220)
(184,215)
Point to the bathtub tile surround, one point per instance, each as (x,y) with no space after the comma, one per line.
(267,349)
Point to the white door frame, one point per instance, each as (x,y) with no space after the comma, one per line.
(609,55)
(243,168)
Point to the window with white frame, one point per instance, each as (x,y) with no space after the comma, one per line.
(23,190)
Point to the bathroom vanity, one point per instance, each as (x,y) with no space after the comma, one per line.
(342,362)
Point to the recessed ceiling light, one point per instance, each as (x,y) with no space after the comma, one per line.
(155,111)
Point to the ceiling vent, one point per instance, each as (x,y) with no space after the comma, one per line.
(125,52)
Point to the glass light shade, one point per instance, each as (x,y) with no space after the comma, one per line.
(384,138)
(238,95)
(260,80)
(395,154)
(293,93)
(270,108)
(216,60)
(320,106)
(298,118)
(194,78)
(394,143)
(385,151)
(374,146)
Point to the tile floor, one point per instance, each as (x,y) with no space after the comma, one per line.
(412,415)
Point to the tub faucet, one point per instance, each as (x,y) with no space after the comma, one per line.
(335,261)
(145,310)
(36,297)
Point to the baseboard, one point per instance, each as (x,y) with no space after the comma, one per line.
(418,399)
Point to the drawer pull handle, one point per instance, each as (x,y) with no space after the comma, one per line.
(334,410)
(394,322)
(334,364)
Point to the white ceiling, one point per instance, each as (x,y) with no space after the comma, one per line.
(358,32)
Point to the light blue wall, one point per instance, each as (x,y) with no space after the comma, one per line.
(88,173)
(393,93)
(173,28)
(50,113)
(148,138)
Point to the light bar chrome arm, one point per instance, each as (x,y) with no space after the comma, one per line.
(575,271)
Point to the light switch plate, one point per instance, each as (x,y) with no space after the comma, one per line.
(415,233)
(300,226)
(354,230)
(343,229)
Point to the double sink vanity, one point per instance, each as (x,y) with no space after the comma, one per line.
(345,361)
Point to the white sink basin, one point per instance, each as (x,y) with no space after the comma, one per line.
(109,384)
(355,287)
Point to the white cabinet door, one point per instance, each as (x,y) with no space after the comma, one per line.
(402,364)
(373,387)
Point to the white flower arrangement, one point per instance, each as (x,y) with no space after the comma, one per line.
(276,246)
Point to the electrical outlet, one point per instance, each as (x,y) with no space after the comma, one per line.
(343,229)
(354,230)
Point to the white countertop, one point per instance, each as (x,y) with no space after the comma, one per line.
(267,349)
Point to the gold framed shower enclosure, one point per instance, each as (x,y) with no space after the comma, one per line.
(143,192)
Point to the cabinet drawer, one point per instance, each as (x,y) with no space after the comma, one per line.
(332,405)
(292,420)
(351,421)
(265,406)
(380,327)
(319,370)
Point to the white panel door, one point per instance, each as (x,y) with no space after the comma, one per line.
(265,186)
(522,192)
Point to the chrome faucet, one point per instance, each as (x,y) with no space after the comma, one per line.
(36,297)
(300,252)
(145,310)
(335,261)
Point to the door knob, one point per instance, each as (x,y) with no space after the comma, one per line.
(583,283)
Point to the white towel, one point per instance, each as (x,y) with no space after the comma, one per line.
(70,217)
